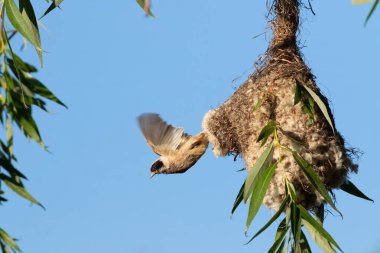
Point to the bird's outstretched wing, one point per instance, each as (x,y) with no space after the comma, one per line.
(161,137)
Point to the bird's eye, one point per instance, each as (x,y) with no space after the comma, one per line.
(156,166)
(195,144)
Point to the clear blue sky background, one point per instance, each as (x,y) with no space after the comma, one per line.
(109,64)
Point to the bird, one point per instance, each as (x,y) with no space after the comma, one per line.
(178,150)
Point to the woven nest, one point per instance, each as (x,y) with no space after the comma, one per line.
(233,127)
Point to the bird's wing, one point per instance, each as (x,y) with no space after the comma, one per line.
(161,137)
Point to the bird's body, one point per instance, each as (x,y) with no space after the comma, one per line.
(178,151)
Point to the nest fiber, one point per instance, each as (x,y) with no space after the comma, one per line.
(233,127)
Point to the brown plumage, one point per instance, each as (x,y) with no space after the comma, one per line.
(178,151)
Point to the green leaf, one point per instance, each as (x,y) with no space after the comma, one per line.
(29,127)
(37,87)
(24,26)
(238,199)
(288,212)
(9,130)
(321,106)
(21,191)
(297,93)
(295,219)
(258,192)
(8,240)
(314,179)
(315,229)
(274,217)
(7,165)
(18,63)
(361,1)
(266,132)
(308,107)
(372,10)
(142,5)
(258,104)
(322,242)
(350,188)
(26,9)
(263,161)
(53,5)
(290,190)
(304,244)
(280,235)
(3,247)
(281,248)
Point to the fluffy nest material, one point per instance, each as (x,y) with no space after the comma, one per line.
(233,127)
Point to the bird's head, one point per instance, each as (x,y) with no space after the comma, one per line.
(157,167)
(182,159)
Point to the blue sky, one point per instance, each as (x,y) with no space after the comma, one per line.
(109,63)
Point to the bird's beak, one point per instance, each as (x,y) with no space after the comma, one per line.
(152,174)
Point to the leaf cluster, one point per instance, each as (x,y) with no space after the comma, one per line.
(20,94)
(290,232)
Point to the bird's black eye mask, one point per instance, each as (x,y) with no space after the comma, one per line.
(156,166)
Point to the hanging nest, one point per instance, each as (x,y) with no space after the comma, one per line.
(269,96)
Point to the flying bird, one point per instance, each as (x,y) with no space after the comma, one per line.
(178,150)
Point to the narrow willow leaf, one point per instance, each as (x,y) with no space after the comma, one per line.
(263,161)
(314,179)
(9,83)
(8,240)
(52,6)
(281,227)
(280,235)
(9,130)
(350,188)
(7,165)
(37,87)
(258,104)
(238,200)
(24,26)
(26,9)
(321,106)
(2,98)
(290,190)
(142,5)
(274,217)
(30,129)
(297,93)
(21,191)
(258,192)
(322,242)
(266,132)
(4,249)
(309,109)
(372,10)
(361,1)
(295,219)
(304,244)
(20,64)
(309,220)
(288,212)
(281,248)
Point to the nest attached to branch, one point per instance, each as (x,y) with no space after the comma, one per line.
(233,128)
